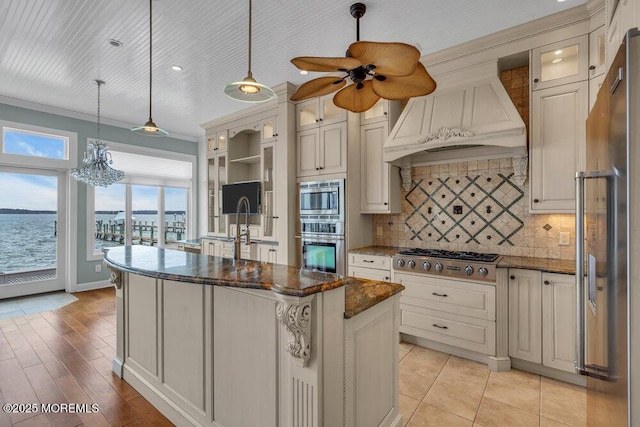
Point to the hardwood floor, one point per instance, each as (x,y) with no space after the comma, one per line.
(64,356)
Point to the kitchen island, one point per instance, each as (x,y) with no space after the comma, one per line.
(218,342)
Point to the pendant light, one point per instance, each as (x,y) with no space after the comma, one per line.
(249,90)
(97,160)
(150,128)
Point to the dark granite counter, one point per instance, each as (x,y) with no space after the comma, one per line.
(561,266)
(187,267)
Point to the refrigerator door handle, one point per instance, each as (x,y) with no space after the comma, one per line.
(580,320)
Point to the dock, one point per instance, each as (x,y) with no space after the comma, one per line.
(144,232)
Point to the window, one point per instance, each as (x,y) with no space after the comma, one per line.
(155,195)
(34,144)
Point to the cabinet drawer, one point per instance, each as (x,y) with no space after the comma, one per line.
(452,296)
(460,331)
(370,261)
(370,273)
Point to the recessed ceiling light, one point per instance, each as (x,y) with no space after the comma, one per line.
(560,1)
(176,68)
(115,43)
(557,52)
(555,61)
(304,72)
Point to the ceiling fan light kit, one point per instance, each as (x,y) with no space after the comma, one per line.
(150,128)
(249,90)
(376,70)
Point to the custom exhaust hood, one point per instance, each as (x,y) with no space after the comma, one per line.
(470,116)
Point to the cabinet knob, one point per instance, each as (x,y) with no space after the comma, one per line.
(275,217)
(320,119)
(546,282)
(275,134)
(317,120)
(592,67)
(512,277)
(320,168)
(385,113)
(385,203)
(536,80)
(535,200)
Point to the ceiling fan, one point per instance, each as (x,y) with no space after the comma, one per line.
(376,70)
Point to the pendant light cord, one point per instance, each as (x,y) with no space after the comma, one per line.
(150,54)
(249,72)
(99,83)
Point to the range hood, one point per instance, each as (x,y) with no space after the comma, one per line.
(469,116)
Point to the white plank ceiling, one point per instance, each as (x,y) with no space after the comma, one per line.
(52,50)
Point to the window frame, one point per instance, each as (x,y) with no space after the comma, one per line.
(70,150)
(160,183)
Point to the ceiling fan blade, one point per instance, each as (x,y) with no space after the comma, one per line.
(313,63)
(318,87)
(356,100)
(390,59)
(417,84)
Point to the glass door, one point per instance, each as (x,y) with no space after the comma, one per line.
(33,234)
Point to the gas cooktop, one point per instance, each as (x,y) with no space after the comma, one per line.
(440,253)
(468,265)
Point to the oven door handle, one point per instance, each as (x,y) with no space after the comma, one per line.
(321,237)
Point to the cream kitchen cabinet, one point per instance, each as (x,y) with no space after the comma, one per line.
(379,181)
(267,253)
(269,129)
(221,248)
(217,142)
(316,112)
(322,150)
(560,63)
(216,177)
(373,267)
(542,318)
(557,147)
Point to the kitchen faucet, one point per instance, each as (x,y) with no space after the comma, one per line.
(243,201)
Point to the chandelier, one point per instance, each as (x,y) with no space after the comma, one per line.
(97,160)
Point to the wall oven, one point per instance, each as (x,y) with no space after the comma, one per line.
(321,244)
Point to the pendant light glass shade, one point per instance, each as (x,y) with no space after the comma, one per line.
(249,90)
(150,128)
(97,160)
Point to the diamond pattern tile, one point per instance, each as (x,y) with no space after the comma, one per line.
(488,203)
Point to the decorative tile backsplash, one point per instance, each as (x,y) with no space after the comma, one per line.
(473,206)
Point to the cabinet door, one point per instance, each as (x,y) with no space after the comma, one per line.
(267,253)
(557,146)
(308,114)
(379,181)
(269,131)
(217,177)
(370,273)
(597,57)
(525,315)
(307,152)
(558,321)
(560,63)
(329,113)
(333,148)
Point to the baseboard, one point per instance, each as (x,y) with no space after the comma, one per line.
(89,286)
(536,368)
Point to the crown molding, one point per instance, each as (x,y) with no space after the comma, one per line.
(15,102)
(521,33)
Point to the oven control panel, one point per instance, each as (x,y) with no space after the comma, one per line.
(462,269)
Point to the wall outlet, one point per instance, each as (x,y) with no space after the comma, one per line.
(563,238)
(98,268)
(379,231)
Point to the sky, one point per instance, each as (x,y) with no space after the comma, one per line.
(39,192)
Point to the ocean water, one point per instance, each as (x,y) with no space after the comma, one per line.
(28,241)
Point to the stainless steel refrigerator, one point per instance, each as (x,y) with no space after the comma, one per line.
(608,246)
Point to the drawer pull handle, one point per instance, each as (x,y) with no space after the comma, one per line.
(435,325)
(367,260)
(439,295)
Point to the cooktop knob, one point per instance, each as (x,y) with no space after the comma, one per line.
(426,265)
(483,271)
(411,263)
(468,270)
(400,262)
(438,267)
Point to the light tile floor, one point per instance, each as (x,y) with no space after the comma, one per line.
(15,307)
(438,389)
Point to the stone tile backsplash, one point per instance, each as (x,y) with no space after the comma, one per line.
(473,206)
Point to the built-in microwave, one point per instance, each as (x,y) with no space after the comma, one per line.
(322,198)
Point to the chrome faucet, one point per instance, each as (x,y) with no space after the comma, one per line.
(243,201)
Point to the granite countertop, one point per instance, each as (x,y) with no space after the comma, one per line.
(360,294)
(562,266)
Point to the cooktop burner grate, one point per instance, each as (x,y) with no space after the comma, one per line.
(461,255)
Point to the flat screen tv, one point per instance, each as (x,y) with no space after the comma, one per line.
(231,193)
